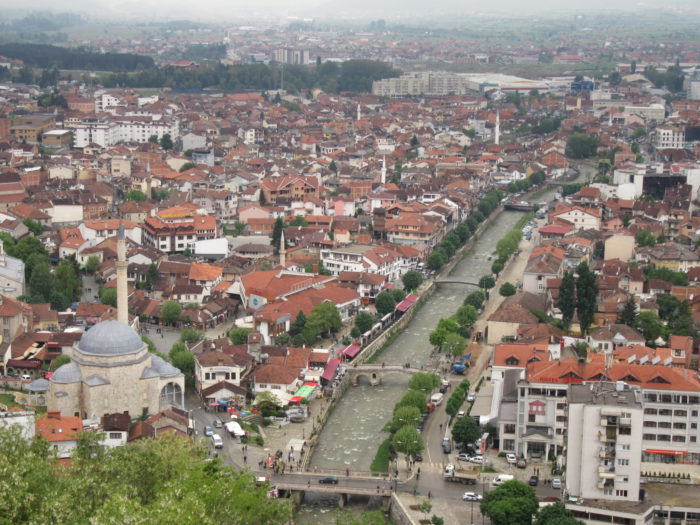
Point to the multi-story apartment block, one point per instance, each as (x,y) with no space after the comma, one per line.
(107,132)
(669,137)
(177,229)
(30,128)
(289,189)
(379,260)
(604,442)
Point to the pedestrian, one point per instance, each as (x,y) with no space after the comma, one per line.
(377,489)
(347,472)
(430,495)
(245,460)
(440,426)
(308,483)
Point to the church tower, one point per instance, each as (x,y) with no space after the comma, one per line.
(122,286)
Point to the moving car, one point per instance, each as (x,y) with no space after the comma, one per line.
(510,458)
(472,496)
(556,483)
(218,423)
(418,458)
(208,431)
(533,481)
(446,447)
(328,480)
(217,441)
(471,397)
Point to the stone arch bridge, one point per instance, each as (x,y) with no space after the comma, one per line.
(376,372)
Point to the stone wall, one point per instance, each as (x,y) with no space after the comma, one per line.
(398,513)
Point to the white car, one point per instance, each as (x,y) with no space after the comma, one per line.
(510,458)
(460,413)
(477,459)
(471,397)
(472,496)
(463,456)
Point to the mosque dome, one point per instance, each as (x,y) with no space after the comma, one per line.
(110,338)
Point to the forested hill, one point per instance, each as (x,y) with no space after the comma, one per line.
(46,56)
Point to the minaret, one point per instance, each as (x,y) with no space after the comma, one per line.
(384,169)
(283,251)
(122,291)
(359,112)
(498,128)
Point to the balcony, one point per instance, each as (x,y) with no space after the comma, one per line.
(625,421)
(608,421)
(607,453)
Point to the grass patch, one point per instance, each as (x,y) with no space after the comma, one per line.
(8,400)
(380,463)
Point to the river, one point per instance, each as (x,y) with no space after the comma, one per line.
(354,430)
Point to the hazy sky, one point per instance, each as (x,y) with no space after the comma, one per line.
(366,9)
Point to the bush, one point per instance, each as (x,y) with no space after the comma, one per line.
(258,440)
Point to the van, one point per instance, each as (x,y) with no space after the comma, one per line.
(446,446)
(436,399)
(502,478)
(217,441)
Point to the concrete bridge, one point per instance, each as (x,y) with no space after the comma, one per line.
(346,487)
(375,373)
(456,280)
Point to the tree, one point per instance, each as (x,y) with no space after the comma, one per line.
(136,196)
(567,299)
(33,226)
(25,248)
(298,220)
(385,303)
(425,507)
(463,232)
(364,322)
(487,282)
(398,295)
(454,344)
(466,316)
(683,323)
(408,441)
(298,324)
(644,238)
(586,296)
(333,167)
(424,381)
(153,139)
(497,267)
(436,259)
(414,141)
(465,430)
(414,398)
(507,289)
(166,142)
(283,339)
(412,280)
(512,503)
(42,282)
(581,146)
(59,361)
(555,514)
(651,326)
(170,312)
(187,166)
(277,233)
(152,276)
(325,317)
(442,330)
(239,336)
(92,264)
(67,282)
(406,415)
(476,299)
(628,314)
(108,296)
(189,335)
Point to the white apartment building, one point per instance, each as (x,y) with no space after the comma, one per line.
(124,129)
(669,137)
(361,258)
(604,442)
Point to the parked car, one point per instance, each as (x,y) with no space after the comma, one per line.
(218,423)
(522,463)
(472,496)
(328,480)
(471,397)
(556,482)
(510,458)
(477,459)
(418,458)
(463,456)
(446,447)
(443,389)
(208,431)
(533,481)
(460,413)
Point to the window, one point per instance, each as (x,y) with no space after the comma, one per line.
(650,411)
(650,424)
(115,435)
(679,439)
(649,437)
(608,492)
(621,493)
(680,413)
(207,376)
(665,412)
(623,462)
(680,426)
(625,447)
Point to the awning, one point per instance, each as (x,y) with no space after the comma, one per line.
(351,350)
(296,399)
(331,367)
(665,452)
(409,301)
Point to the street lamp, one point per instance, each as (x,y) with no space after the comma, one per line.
(472,511)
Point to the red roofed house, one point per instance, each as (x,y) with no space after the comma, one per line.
(60,431)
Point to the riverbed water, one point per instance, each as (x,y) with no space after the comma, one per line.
(354,430)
